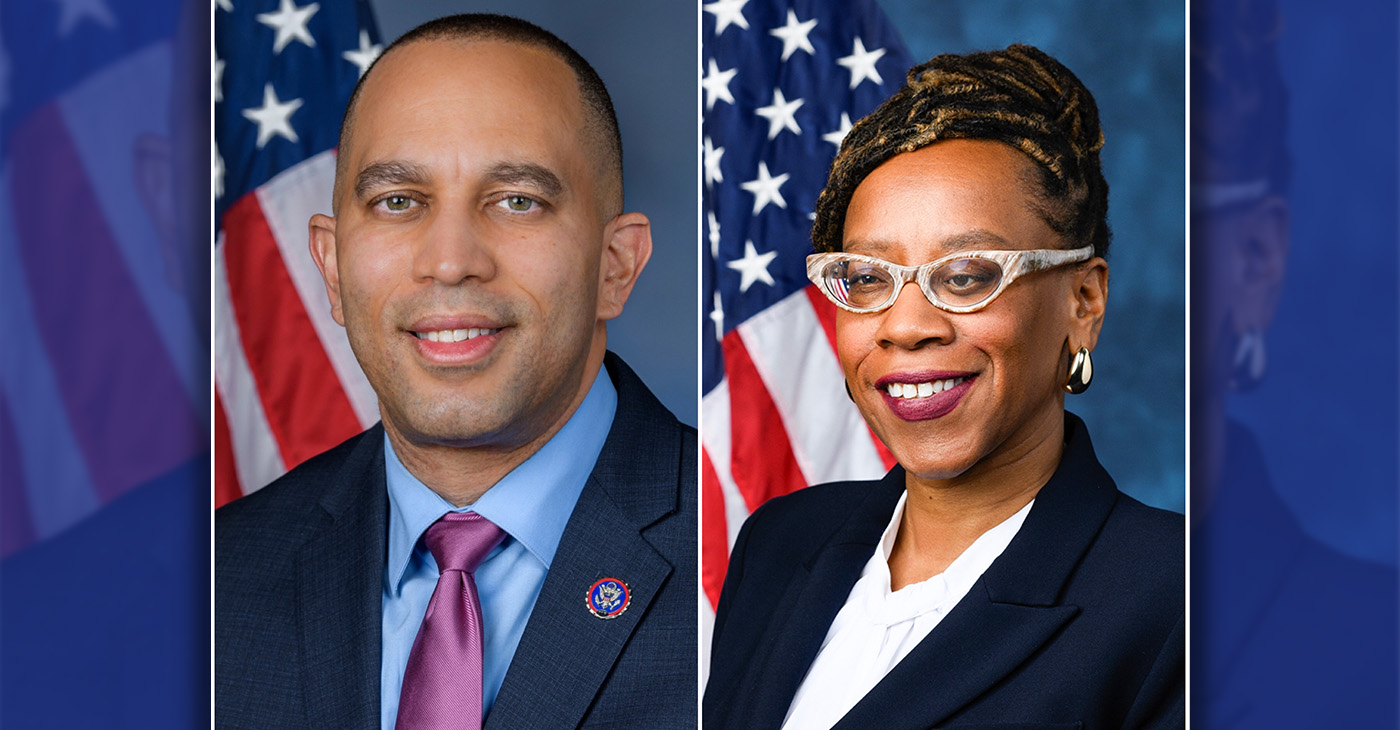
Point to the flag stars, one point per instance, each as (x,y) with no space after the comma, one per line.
(780,114)
(363,56)
(714,233)
(218,79)
(839,134)
(290,23)
(861,64)
(712,157)
(753,267)
(273,117)
(225,5)
(74,12)
(717,316)
(218,171)
(765,189)
(794,35)
(727,13)
(716,85)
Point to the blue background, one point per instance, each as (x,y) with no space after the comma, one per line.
(1132,56)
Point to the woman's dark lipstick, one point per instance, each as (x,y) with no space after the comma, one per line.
(922,396)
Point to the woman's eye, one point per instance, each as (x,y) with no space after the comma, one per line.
(518,203)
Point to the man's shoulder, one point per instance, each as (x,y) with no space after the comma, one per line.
(294,497)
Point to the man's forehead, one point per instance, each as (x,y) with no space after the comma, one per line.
(510,71)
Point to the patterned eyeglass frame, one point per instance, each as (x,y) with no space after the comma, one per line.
(1013,265)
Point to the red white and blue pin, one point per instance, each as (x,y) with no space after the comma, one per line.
(608,598)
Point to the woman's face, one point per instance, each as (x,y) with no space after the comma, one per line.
(1008,362)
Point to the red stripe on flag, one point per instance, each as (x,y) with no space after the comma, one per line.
(130,416)
(306,409)
(826,314)
(16,526)
(714,532)
(762,461)
(226,486)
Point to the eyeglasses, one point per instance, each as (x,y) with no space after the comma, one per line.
(963,282)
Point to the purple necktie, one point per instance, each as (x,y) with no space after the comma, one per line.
(442,685)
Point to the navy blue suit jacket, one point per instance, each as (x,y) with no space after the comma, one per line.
(1078,624)
(299,570)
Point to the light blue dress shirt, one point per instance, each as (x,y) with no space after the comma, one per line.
(532,504)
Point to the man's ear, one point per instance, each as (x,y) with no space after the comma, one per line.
(322,242)
(627,251)
(1258,263)
(1089,301)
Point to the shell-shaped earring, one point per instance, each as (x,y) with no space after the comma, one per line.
(1081,372)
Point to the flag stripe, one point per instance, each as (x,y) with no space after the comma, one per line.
(16,527)
(284,201)
(714,409)
(257,458)
(761,459)
(714,544)
(805,382)
(307,411)
(226,486)
(122,395)
(53,470)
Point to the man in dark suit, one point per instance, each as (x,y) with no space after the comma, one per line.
(477,251)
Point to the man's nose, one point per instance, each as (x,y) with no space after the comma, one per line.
(456,247)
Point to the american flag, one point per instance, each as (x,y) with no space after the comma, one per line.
(286,383)
(103,374)
(782,82)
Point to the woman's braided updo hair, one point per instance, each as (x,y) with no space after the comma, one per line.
(1019,96)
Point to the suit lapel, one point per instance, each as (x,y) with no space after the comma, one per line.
(339,577)
(810,602)
(1010,612)
(566,653)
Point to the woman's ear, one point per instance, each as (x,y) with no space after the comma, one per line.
(1089,300)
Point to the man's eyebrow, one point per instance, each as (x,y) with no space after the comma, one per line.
(525,173)
(389,173)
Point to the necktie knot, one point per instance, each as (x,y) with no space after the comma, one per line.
(461,540)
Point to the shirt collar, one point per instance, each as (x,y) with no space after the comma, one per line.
(532,503)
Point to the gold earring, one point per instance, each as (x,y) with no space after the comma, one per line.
(1081,371)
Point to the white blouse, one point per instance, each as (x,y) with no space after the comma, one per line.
(878,627)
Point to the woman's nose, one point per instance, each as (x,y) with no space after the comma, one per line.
(913,322)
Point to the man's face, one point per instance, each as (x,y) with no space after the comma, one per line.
(465,260)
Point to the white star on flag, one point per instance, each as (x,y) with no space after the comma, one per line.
(273,117)
(75,11)
(218,170)
(716,84)
(714,233)
(225,5)
(780,114)
(861,64)
(727,13)
(794,35)
(717,316)
(712,157)
(765,189)
(839,134)
(290,23)
(753,267)
(218,79)
(363,56)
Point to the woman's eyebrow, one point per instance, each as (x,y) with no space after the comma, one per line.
(962,241)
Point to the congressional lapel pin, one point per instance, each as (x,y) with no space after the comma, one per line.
(608,598)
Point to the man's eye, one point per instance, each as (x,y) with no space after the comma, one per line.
(397,203)
(518,203)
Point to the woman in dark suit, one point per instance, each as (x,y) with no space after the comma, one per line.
(996,577)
